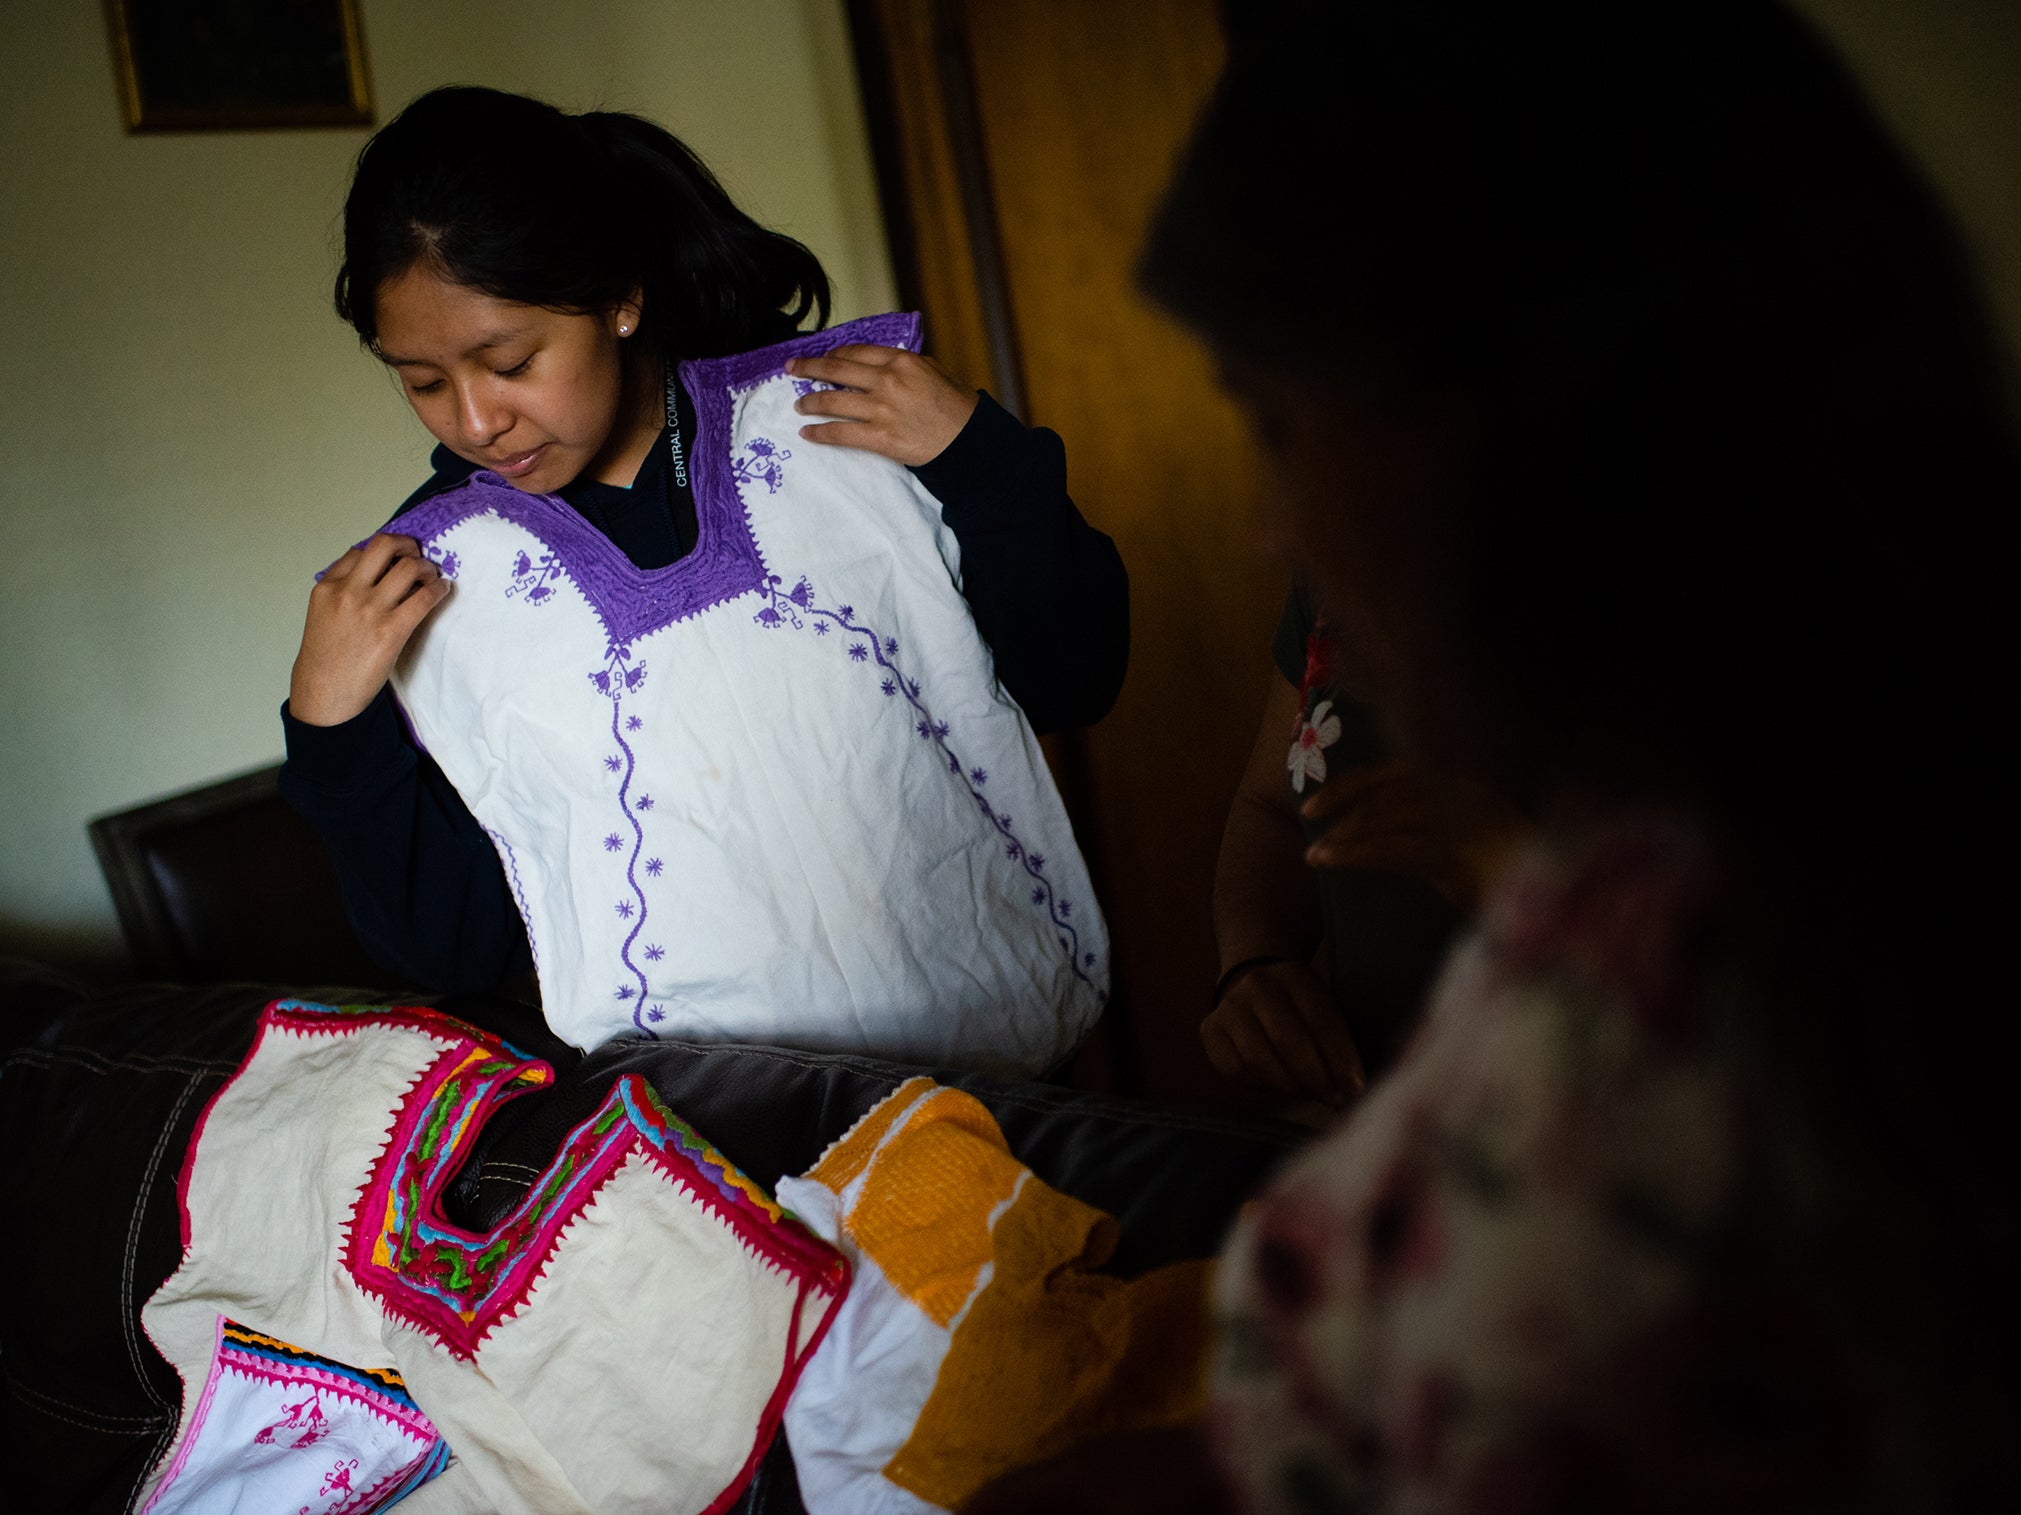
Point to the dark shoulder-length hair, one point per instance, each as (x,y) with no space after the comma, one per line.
(509,195)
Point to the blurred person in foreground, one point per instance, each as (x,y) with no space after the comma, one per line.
(1637,415)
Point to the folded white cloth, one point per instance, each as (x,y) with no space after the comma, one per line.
(980,1334)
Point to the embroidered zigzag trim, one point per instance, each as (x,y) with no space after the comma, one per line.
(306,1018)
(244,1353)
(457,1286)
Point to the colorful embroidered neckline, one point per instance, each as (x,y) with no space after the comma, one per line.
(455,1285)
(251,1345)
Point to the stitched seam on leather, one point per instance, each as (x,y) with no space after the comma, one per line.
(97,1062)
(17,1391)
(130,1311)
(50,1405)
(163,1440)
(129,1307)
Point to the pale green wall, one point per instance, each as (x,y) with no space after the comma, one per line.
(187,432)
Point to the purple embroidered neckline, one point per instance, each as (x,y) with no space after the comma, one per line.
(725,563)
(741,370)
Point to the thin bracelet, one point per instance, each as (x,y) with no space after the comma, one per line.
(1229,979)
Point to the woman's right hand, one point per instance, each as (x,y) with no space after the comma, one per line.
(361,614)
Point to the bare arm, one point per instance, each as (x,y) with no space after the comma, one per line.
(1265,903)
(1276,1023)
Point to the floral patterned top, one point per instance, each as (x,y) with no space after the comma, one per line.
(1583,1249)
(1334,730)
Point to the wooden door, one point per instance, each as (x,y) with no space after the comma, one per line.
(1022,146)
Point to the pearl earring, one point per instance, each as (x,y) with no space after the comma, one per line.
(624,331)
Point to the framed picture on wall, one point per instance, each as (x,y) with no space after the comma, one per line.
(221,65)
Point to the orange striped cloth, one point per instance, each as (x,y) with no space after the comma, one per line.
(979,1334)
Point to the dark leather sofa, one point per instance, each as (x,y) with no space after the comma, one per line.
(102,1089)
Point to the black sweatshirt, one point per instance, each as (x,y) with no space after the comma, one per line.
(421,882)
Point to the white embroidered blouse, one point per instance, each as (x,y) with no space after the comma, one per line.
(771,792)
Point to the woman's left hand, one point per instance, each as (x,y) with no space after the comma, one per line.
(898,403)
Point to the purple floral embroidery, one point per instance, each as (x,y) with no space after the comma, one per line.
(533,579)
(760,463)
(785,607)
(725,562)
(794,608)
(653,867)
(805,387)
(449,564)
(619,676)
(655,952)
(616,679)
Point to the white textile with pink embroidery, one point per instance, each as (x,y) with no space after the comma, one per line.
(285,1429)
(623,1339)
(771,792)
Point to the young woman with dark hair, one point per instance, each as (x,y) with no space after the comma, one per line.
(1636,415)
(628,214)
(536,280)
